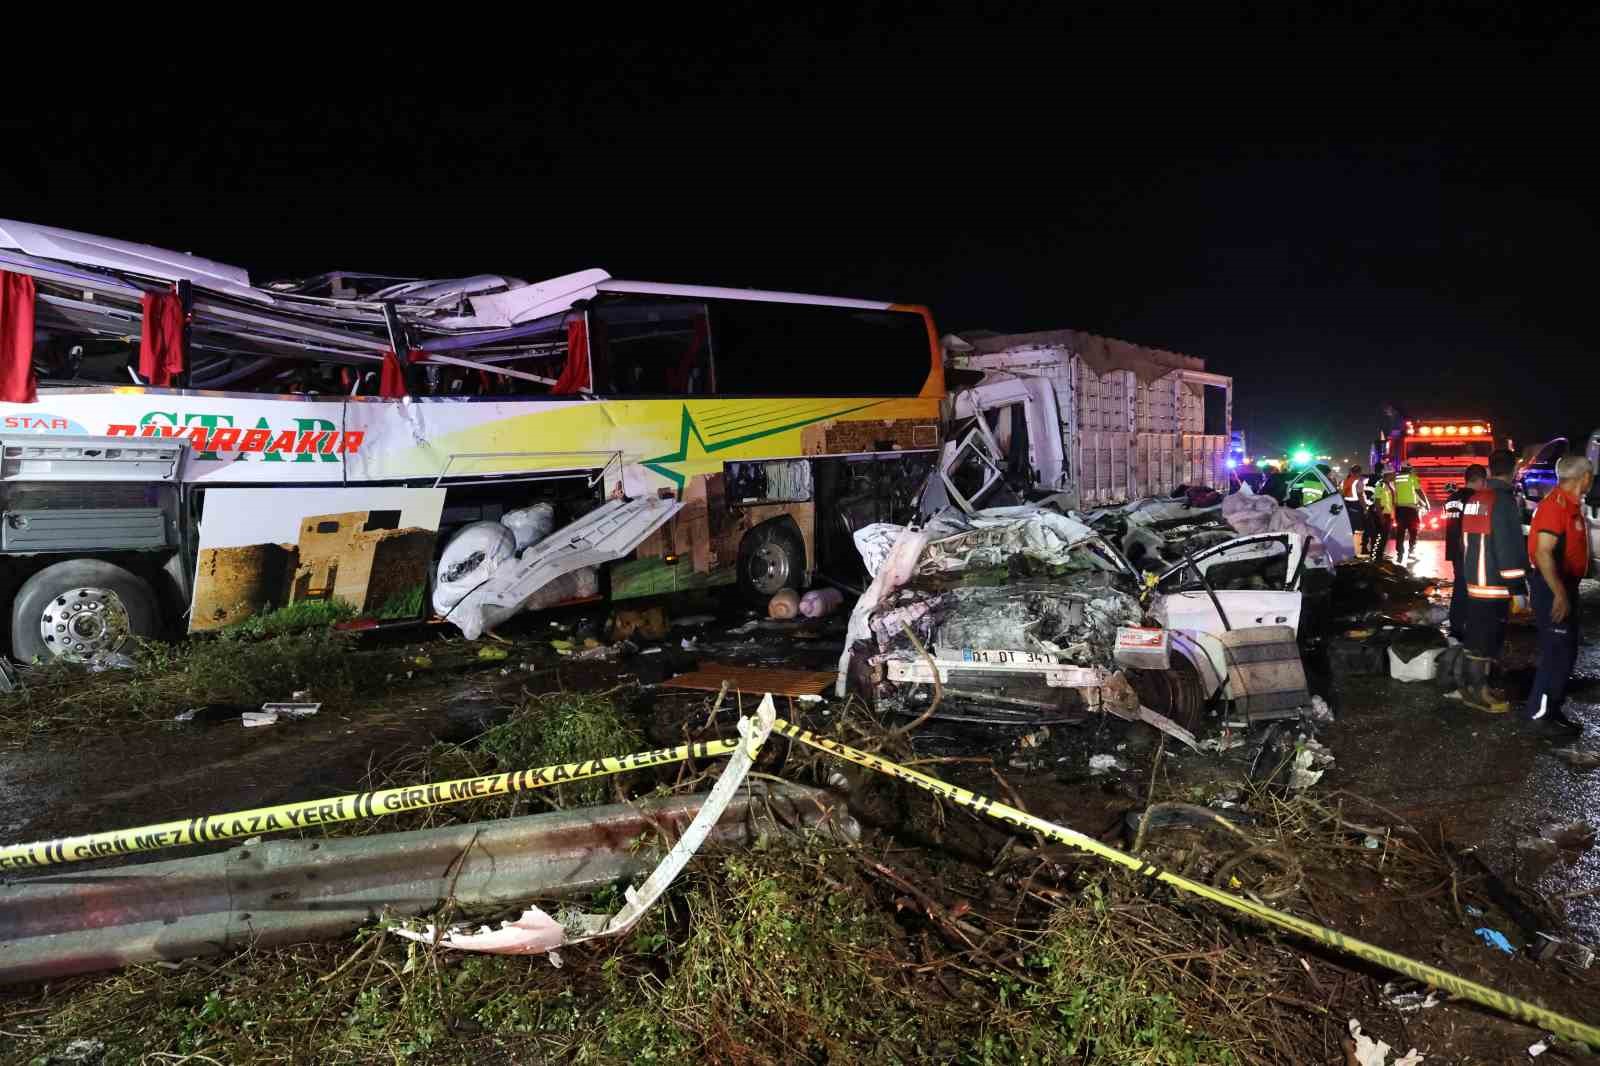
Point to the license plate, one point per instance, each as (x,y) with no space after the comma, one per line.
(1006,656)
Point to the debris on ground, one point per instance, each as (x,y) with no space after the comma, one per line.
(819,603)
(784,605)
(535,932)
(1105,764)
(1495,939)
(754,680)
(1364,1051)
(1578,759)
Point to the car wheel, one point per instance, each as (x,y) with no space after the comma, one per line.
(771,559)
(75,610)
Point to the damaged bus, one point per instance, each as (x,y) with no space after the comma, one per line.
(183,450)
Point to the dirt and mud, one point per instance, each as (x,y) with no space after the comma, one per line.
(1447,793)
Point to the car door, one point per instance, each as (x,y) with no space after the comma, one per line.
(1255,579)
(1330,518)
(1007,429)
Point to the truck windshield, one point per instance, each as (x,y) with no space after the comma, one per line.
(1445,449)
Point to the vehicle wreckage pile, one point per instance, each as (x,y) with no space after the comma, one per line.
(1029,616)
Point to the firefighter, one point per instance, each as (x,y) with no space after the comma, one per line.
(1409,503)
(1476,476)
(1495,558)
(1383,506)
(1355,502)
(1558,546)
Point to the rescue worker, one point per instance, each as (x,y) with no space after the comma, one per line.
(1558,546)
(1409,503)
(1370,540)
(1383,505)
(1495,558)
(1353,490)
(1476,476)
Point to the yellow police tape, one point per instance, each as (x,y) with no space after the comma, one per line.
(393,800)
(1482,994)
(207,828)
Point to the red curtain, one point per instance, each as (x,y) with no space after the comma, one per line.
(575,374)
(17,383)
(392,382)
(161,338)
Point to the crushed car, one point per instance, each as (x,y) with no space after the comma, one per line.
(1030,616)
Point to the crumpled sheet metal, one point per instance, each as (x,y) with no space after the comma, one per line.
(535,932)
(895,568)
(996,534)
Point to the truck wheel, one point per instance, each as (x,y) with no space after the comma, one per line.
(771,558)
(77,609)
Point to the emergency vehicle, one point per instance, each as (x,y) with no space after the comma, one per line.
(1439,450)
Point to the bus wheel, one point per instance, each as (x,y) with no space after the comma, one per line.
(771,558)
(78,609)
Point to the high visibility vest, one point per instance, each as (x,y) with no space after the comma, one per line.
(1351,490)
(1383,498)
(1407,491)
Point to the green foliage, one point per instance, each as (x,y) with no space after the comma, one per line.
(292,618)
(401,605)
(771,956)
(566,727)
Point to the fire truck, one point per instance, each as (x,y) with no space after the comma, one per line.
(1439,450)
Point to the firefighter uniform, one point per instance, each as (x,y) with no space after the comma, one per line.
(1495,559)
(1560,514)
(1452,554)
(1408,503)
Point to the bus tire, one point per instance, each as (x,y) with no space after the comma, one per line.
(80,608)
(771,559)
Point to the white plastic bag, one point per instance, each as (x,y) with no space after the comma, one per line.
(530,525)
(468,560)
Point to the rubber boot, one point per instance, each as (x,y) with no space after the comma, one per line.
(1475,693)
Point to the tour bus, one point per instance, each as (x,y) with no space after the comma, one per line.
(182,450)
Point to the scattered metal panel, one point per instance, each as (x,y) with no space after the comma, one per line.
(1264,669)
(132,529)
(74,457)
(285,891)
(606,534)
(754,679)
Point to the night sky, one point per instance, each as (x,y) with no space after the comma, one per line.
(1336,210)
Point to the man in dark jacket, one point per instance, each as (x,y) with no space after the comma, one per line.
(1494,556)
(1476,476)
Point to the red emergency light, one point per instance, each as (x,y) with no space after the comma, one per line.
(1456,429)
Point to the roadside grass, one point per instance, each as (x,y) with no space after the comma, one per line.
(169,678)
(407,604)
(291,618)
(781,954)
(546,730)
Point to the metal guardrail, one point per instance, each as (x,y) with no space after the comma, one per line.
(285,891)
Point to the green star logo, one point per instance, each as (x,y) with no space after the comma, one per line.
(689,454)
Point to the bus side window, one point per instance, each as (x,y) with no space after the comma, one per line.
(660,348)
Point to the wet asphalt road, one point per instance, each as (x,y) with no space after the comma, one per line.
(1485,778)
